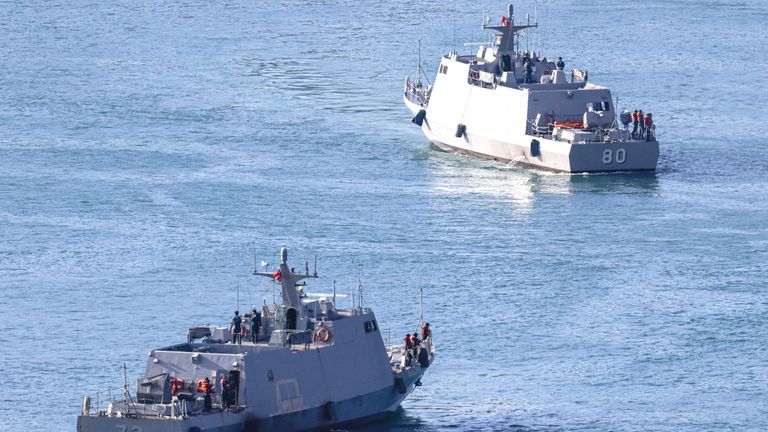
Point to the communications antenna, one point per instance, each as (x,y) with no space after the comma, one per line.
(128,390)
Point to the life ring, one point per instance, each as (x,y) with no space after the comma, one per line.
(322,335)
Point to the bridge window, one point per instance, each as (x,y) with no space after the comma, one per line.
(370,326)
(599,106)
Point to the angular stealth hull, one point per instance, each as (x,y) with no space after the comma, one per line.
(310,367)
(362,409)
(507,104)
(553,155)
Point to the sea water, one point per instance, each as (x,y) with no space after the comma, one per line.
(147,149)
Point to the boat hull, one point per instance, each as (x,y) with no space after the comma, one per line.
(362,409)
(557,156)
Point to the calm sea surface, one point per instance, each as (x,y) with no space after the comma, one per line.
(146,148)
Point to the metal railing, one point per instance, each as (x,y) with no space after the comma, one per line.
(175,409)
(88,409)
(416,92)
(600,134)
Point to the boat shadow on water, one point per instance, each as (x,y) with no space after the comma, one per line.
(402,421)
(620,182)
(455,174)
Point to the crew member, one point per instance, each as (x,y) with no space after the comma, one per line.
(641,121)
(560,64)
(226,393)
(408,342)
(235,328)
(425,331)
(649,127)
(177,386)
(634,123)
(528,72)
(255,324)
(415,343)
(407,358)
(204,386)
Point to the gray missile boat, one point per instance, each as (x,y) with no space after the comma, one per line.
(312,367)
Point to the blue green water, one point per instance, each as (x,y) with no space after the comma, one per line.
(146,148)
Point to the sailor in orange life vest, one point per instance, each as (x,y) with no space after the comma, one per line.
(408,342)
(415,343)
(425,332)
(634,124)
(204,386)
(408,345)
(648,126)
(641,121)
(177,386)
(226,396)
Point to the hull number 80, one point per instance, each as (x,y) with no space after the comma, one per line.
(618,156)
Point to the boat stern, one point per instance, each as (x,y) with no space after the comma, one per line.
(614,156)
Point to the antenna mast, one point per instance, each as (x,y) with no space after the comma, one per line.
(418,69)
(360,290)
(453,18)
(127,389)
(421,307)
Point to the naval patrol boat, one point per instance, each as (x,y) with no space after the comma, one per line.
(312,366)
(494,105)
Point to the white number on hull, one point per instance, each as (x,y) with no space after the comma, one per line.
(619,157)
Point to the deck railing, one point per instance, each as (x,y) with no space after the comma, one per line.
(416,92)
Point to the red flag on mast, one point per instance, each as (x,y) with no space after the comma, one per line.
(505,21)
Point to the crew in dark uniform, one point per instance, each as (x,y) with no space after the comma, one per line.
(560,63)
(527,72)
(641,121)
(255,324)
(235,328)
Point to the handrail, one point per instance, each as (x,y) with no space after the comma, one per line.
(420,92)
(98,393)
